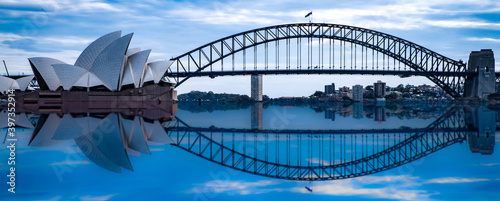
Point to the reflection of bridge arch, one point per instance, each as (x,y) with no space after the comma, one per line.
(219,148)
(445,72)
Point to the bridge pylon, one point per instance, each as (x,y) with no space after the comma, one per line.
(256,87)
(482,82)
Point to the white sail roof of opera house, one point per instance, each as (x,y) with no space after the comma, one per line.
(7,83)
(106,62)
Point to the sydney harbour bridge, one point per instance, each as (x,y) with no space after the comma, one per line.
(319,48)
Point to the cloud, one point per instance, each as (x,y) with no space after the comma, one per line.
(453,180)
(96,198)
(318,161)
(495,40)
(235,187)
(55,7)
(52,199)
(384,192)
(490,164)
(463,24)
(226,16)
(377,179)
(400,187)
(70,162)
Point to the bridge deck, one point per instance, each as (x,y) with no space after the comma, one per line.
(315,71)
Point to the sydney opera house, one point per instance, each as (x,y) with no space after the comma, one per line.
(21,84)
(106,73)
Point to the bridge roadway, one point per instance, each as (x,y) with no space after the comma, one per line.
(329,131)
(316,70)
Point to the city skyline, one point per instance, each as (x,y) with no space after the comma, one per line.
(60,29)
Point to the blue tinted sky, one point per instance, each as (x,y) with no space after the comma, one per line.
(63,172)
(62,29)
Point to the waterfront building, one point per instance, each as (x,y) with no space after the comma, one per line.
(330,89)
(379,89)
(357,93)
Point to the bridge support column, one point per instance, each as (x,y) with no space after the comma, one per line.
(257,118)
(256,87)
(482,83)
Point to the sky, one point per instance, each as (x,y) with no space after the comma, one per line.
(61,29)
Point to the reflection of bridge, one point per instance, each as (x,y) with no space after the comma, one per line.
(319,155)
(347,50)
(108,138)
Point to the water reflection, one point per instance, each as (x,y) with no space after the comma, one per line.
(106,138)
(109,138)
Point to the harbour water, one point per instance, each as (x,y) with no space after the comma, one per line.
(245,151)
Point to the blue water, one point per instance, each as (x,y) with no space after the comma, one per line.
(286,134)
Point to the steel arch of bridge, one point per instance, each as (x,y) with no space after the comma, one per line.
(417,146)
(447,73)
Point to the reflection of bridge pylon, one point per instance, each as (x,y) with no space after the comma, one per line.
(257,116)
(311,155)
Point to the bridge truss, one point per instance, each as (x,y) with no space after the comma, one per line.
(318,48)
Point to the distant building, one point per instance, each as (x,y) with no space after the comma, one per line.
(379,89)
(344,89)
(357,93)
(330,89)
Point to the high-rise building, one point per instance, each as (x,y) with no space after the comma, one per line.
(330,89)
(379,89)
(357,93)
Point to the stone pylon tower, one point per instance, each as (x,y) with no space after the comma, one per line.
(482,83)
(256,87)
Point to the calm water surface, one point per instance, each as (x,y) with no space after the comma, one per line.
(281,151)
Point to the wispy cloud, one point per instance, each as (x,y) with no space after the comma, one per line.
(490,164)
(70,162)
(495,40)
(235,187)
(96,198)
(59,7)
(401,187)
(56,198)
(453,180)
(318,161)
(384,192)
(392,188)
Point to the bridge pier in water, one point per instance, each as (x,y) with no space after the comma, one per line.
(484,120)
(256,87)
(482,83)
(256,118)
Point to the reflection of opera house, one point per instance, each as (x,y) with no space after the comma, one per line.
(105,74)
(106,139)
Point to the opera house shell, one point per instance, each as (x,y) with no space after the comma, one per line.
(107,74)
(106,64)
(21,84)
